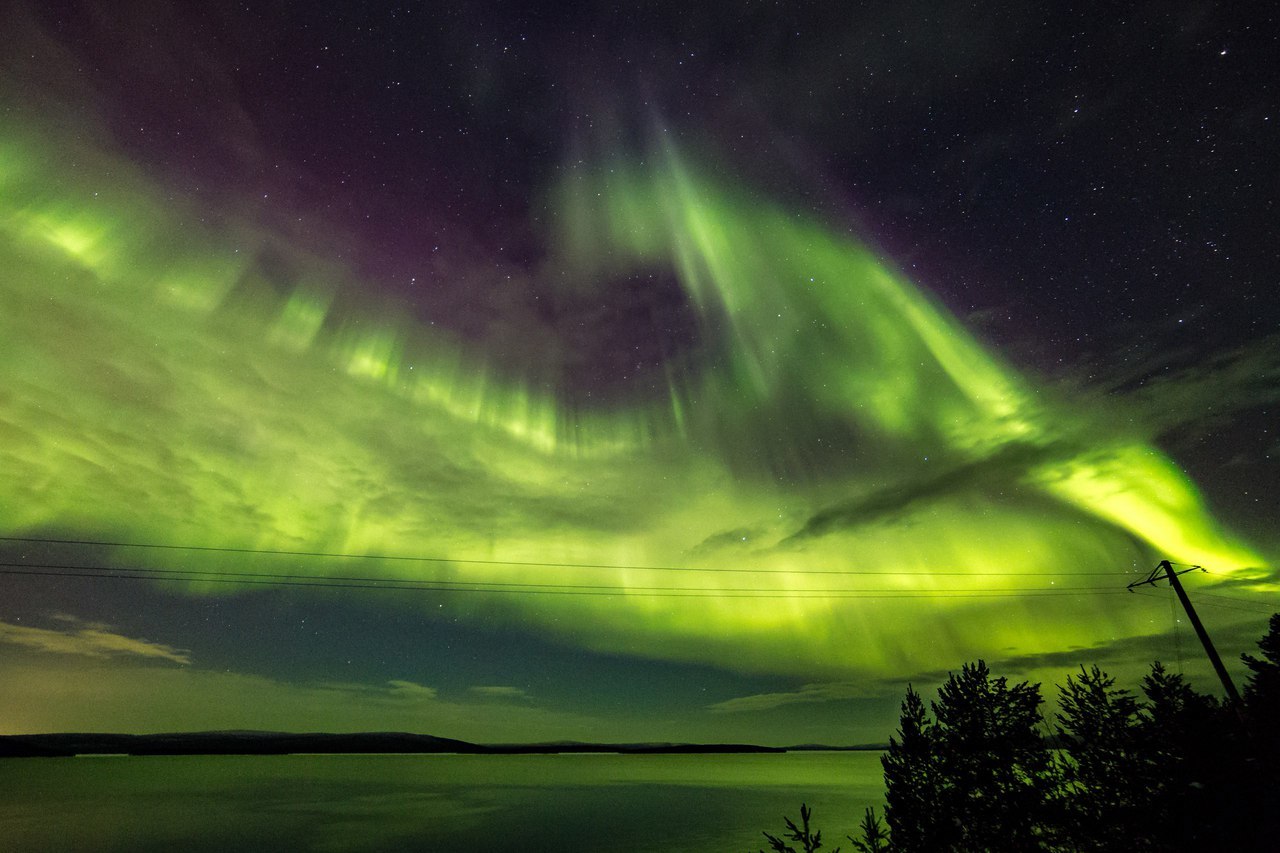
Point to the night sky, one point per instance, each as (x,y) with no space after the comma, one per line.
(519,371)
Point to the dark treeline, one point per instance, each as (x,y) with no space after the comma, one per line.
(1173,769)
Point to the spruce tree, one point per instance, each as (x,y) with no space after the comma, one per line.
(1262,690)
(911,779)
(1261,779)
(1183,735)
(977,777)
(997,772)
(1103,804)
(874,838)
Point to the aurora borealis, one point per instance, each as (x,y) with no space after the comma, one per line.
(659,450)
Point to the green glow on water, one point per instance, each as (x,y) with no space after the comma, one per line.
(348,803)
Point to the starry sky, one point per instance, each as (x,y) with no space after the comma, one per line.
(520,372)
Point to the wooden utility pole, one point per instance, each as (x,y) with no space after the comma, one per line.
(1165,569)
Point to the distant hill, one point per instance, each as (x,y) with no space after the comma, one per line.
(226,743)
(285,743)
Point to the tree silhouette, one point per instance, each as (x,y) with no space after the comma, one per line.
(1172,771)
(1198,794)
(1262,690)
(810,840)
(911,779)
(996,769)
(1175,721)
(978,777)
(1106,775)
(1262,713)
(874,838)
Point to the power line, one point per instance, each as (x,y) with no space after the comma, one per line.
(1158,597)
(536,564)
(1262,612)
(514,588)
(198,574)
(1204,594)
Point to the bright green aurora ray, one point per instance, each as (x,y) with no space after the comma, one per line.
(154,389)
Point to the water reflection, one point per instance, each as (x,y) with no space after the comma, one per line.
(674,804)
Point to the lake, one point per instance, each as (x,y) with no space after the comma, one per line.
(562,803)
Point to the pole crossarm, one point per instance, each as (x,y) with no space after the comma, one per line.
(1164,569)
(1161,572)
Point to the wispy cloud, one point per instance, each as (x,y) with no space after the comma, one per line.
(1007,465)
(411,690)
(1180,388)
(832,691)
(87,639)
(500,692)
(739,538)
(116,693)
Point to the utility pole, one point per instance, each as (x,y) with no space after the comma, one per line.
(1165,569)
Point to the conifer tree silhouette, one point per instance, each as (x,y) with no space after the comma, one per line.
(979,776)
(1262,690)
(1106,776)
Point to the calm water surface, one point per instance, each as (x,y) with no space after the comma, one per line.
(563,803)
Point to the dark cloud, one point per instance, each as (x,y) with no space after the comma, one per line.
(739,538)
(1006,467)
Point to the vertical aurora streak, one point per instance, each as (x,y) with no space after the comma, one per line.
(836,419)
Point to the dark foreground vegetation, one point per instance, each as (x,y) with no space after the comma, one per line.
(1172,770)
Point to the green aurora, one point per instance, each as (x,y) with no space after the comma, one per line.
(841,479)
